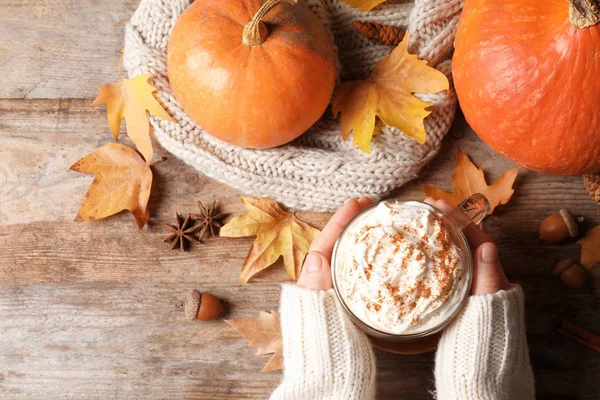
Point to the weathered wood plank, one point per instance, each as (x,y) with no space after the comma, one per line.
(115,251)
(60,48)
(130,341)
(42,138)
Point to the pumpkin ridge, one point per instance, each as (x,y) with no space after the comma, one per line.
(238,13)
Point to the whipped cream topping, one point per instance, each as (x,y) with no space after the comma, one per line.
(399,270)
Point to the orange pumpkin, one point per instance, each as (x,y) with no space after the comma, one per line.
(252,74)
(527,75)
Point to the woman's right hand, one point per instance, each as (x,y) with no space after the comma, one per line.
(488,275)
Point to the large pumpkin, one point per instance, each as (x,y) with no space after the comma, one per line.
(527,75)
(252,74)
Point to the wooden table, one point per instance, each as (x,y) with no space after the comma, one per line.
(92,310)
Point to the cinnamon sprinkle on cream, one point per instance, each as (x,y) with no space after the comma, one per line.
(410,270)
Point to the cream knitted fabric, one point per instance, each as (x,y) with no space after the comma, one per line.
(325,356)
(483,354)
(318,171)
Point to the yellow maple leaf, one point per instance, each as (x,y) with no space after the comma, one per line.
(590,247)
(363,5)
(122,182)
(468,179)
(388,94)
(278,233)
(263,333)
(129,99)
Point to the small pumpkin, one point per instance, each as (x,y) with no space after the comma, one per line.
(254,74)
(527,75)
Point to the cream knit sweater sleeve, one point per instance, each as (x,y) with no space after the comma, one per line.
(325,355)
(483,354)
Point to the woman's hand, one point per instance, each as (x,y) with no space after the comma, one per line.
(316,273)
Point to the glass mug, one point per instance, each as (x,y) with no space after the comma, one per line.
(473,209)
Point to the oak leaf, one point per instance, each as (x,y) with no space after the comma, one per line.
(278,233)
(363,5)
(122,182)
(388,94)
(590,247)
(129,99)
(468,179)
(263,333)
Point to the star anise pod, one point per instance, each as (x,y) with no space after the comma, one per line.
(182,233)
(208,219)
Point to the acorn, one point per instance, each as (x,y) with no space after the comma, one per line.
(559,227)
(202,306)
(572,274)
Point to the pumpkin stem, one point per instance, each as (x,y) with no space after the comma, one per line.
(255,32)
(584,13)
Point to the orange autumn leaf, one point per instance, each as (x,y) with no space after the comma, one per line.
(468,179)
(263,333)
(388,94)
(130,99)
(590,247)
(122,182)
(363,5)
(278,233)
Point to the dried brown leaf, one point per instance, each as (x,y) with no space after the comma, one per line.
(130,99)
(278,233)
(590,247)
(263,333)
(363,5)
(468,179)
(389,95)
(122,182)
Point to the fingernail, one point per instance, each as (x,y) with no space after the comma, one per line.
(365,199)
(313,262)
(489,253)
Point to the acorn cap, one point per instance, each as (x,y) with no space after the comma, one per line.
(191,305)
(570,222)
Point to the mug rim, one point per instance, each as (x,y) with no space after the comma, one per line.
(402,336)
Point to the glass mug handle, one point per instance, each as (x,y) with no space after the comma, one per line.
(473,209)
